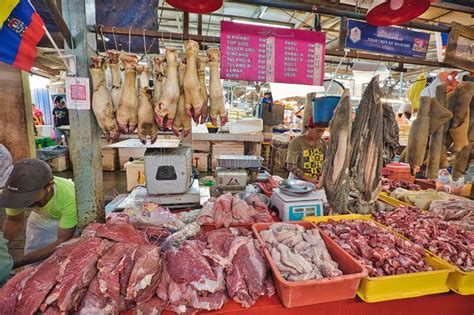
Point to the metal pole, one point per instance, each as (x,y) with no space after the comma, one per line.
(84,145)
(307,7)
(58,19)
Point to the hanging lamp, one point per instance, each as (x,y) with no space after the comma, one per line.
(196,6)
(395,12)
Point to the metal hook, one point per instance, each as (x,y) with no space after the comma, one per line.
(113,35)
(144,42)
(129,38)
(101,28)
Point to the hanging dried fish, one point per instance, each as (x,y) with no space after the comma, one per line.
(367,146)
(338,155)
(391,134)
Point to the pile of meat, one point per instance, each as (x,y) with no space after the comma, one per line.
(299,254)
(442,238)
(227,210)
(91,276)
(389,185)
(380,251)
(204,274)
(458,211)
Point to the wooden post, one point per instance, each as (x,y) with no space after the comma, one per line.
(25,79)
(84,145)
(308,109)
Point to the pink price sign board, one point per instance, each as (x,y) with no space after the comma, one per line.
(270,54)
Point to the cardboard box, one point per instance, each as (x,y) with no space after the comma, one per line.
(125,154)
(58,164)
(202,146)
(110,160)
(226,148)
(135,174)
(201,161)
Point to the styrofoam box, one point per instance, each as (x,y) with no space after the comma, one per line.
(126,153)
(44,130)
(246,126)
(58,164)
(226,148)
(135,174)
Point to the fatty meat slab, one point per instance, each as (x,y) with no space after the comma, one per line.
(102,106)
(193,98)
(181,121)
(167,105)
(367,148)
(444,239)
(216,92)
(336,163)
(202,63)
(160,75)
(458,211)
(114,65)
(299,254)
(146,122)
(227,210)
(380,251)
(128,105)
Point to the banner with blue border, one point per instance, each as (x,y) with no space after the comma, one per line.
(387,40)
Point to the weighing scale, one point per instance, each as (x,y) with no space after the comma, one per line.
(234,172)
(295,208)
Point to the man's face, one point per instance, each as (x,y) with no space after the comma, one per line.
(315,133)
(43,196)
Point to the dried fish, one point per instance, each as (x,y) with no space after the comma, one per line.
(367,145)
(336,163)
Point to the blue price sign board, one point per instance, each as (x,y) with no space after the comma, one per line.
(387,40)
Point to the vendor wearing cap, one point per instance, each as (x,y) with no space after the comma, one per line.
(306,154)
(53,219)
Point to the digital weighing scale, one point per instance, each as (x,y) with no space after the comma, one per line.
(295,208)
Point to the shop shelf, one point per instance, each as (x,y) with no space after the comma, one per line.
(392,201)
(308,292)
(385,288)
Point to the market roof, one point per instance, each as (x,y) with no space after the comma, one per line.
(158,15)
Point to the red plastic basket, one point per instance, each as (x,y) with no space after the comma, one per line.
(398,171)
(299,293)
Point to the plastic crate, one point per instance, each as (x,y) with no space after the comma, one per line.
(386,288)
(398,171)
(308,292)
(383,196)
(461,282)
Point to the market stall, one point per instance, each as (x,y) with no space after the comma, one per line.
(269,169)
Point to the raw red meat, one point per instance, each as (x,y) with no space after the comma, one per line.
(155,234)
(119,231)
(145,274)
(249,277)
(223,211)
(38,286)
(79,270)
(111,267)
(154,306)
(194,268)
(12,290)
(240,210)
(94,302)
(380,251)
(389,185)
(444,239)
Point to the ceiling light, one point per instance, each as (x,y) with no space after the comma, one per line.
(260,23)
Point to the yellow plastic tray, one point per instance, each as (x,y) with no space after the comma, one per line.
(378,289)
(459,281)
(392,201)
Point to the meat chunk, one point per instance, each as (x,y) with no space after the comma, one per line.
(145,274)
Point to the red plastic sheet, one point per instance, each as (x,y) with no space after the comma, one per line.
(439,304)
